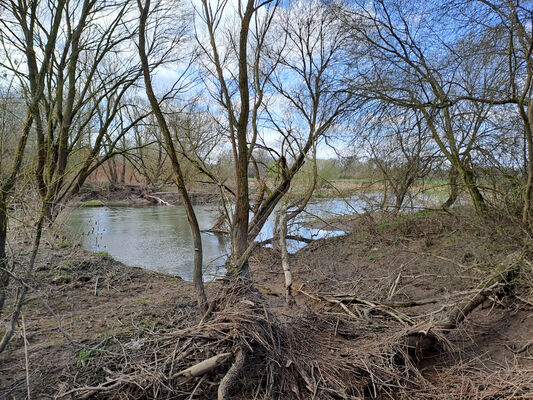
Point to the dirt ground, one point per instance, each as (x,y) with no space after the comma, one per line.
(385,260)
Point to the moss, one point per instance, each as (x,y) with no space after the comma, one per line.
(105,255)
(92,203)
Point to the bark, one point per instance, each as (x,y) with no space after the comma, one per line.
(528,120)
(242,201)
(454,189)
(477,198)
(229,380)
(285,256)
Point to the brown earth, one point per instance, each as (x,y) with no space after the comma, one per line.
(108,309)
(137,195)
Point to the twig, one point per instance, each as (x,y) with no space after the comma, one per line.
(394,286)
(521,349)
(26,358)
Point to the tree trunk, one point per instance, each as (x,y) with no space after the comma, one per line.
(285,255)
(18,306)
(169,144)
(4,275)
(526,212)
(454,189)
(475,194)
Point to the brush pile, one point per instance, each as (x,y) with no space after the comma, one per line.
(244,350)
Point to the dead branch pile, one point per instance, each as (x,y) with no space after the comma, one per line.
(245,351)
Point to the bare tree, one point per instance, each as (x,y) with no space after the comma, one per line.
(22,21)
(507,26)
(144,53)
(24,18)
(400,146)
(233,94)
(410,63)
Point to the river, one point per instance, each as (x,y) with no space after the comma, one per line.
(158,238)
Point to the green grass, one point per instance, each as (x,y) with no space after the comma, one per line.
(92,203)
(84,355)
(64,244)
(105,255)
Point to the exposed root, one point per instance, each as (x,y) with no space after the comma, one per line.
(314,354)
(229,380)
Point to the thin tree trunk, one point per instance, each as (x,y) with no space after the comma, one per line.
(18,306)
(285,255)
(191,215)
(526,212)
(4,275)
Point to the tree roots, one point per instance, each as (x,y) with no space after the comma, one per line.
(244,351)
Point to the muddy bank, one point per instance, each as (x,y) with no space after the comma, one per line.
(96,301)
(136,195)
(137,328)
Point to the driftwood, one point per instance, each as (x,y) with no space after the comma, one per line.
(204,367)
(157,199)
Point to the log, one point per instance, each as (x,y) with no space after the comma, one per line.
(204,367)
(158,199)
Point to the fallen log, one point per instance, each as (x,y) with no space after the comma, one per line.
(499,284)
(204,367)
(157,199)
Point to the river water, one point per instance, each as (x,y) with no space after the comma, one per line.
(158,238)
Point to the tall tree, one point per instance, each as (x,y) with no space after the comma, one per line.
(144,51)
(21,29)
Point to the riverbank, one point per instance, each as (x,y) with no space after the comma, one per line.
(356,296)
(370,192)
(123,195)
(95,301)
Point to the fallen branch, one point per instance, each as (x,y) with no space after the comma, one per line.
(406,303)
(423,341)
(204,367)
(400,317)
(158,199)
(288,237)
